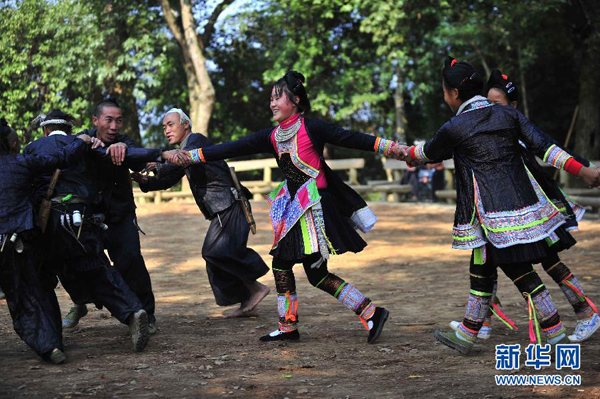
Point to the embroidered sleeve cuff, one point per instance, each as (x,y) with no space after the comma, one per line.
(573,167)
(556,157)
(417,152)
(196,156)
(383,146)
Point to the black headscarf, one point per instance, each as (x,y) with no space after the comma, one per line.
(503,82)
(462,76)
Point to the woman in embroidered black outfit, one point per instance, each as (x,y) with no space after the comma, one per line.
(501,90)
(502,213)
(313,213)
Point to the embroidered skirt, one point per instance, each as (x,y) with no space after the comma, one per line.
(340,234)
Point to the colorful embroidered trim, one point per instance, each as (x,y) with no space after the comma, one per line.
(291,147)
(286,211)
(309,233)
(507,228)
(383,146)
(572,283)
(480,255)
(196,156)
(418,152)
(351,297)
(556,157)
(554,331)
(477,105)
(287,307)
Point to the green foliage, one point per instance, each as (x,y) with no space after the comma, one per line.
(70,54)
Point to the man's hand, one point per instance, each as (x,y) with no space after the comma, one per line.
(177,157)
(150,167)
(139,178)
(97,143)
(117,153)
(86,139)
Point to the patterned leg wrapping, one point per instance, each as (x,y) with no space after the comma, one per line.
(488,316)
(569,285)
(477,308)
(287,300)
(543,314)
(353,299)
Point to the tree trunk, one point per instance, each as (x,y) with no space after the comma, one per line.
(587,128)
(585,22)
(399,106)
(523,86)
(200,88)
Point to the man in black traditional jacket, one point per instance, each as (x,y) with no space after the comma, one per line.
(232,267)
(73,237)
(121,239)
(29,288)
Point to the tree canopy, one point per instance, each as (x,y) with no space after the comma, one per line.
(372,65)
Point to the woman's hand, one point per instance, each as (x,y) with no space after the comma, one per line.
(591,176)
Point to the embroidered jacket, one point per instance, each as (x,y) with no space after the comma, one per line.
(320,133)
(498,199)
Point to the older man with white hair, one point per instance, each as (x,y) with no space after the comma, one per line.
(232,267)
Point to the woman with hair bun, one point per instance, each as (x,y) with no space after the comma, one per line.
(501,90)
(502,213)
(313,213)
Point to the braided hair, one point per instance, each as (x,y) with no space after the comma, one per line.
(463,77)
(503,83)
(292,84)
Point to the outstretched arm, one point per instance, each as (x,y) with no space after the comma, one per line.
(169,175)
(553,154)
(38,164)
(257,143)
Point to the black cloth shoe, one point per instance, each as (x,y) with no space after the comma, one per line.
(138,329)
(279,335)
(379,318)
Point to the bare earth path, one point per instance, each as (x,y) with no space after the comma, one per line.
(408,267)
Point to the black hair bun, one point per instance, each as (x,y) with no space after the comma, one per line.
(294,81)
(296,76)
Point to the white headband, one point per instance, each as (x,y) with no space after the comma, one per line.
(56,122)
(182,116)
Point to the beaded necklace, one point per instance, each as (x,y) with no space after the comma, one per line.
(284,134)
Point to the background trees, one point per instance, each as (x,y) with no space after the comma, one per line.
(372,65)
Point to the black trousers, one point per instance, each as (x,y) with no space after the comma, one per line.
(84,270)
(30,297)
(229,261)
(122,241)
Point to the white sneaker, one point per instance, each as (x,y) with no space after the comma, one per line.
(484,332)
(585,328)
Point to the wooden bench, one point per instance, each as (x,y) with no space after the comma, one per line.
(258,188)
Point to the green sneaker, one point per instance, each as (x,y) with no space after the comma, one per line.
(72,318)
(151,328)
(450,339)
(57,356)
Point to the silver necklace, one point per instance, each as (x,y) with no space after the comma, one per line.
(284,134)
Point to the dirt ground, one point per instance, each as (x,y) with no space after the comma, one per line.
(408,267)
